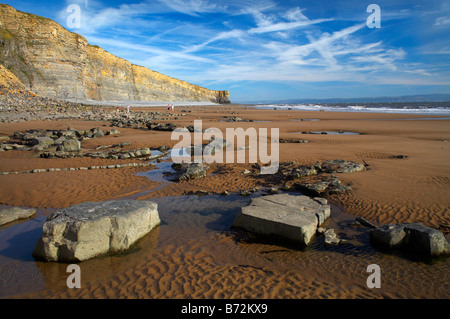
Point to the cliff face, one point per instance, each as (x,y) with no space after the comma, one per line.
(8,81)
(56,63)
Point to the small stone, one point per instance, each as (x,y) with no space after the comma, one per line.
(112,132)
(365,222)
(245,193)
(331,241)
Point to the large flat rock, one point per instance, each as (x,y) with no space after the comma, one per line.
(290,217)
(9,215)
(91,229)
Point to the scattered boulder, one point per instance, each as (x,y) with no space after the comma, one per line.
(193,170)
(161,127)
(11,214)
(245,193)
(323,187)
(92,229)
(69,146)
(331,237)
(340,166)
(199,193)
(303,171)
(273,190)
(413,237)
(235,119)
(97,132)
(60,140)
(112,132)
(163,148)
(285,140)
(42,142)
(290,217)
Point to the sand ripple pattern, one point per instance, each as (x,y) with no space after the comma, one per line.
(201,269)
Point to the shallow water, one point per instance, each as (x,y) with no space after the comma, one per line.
(195,253)
(194,244)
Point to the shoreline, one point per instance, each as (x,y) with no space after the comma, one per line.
(141,104)
(410,189)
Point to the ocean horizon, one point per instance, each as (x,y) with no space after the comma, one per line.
(425,108)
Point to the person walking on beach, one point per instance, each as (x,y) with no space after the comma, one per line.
(118,110)
(128,109)
(173,107)
(168,107)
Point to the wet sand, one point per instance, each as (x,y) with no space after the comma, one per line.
(195,254)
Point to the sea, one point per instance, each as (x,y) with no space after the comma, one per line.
(425,108)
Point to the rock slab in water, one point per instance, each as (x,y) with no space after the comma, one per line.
(290,217)
(11,214)
(91,229)
(411,237)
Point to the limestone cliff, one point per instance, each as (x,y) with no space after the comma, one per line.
(9,81)
(56,63)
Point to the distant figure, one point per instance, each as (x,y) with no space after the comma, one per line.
(128,109)
(173,107)
(118,110)
(168,107)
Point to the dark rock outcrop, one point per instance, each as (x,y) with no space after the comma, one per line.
(411,237)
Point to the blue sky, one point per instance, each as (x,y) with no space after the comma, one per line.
(269,50)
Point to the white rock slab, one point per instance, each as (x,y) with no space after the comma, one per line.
(91,229)
(291,217)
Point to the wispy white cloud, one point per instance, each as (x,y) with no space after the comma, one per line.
(284,26)
(269,43)
(442,21)
(193,7)
(168,54)
(228,35)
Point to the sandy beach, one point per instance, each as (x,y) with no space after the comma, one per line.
(196,255)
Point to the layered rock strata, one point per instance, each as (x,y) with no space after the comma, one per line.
(56,63)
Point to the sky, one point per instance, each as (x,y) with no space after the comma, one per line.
(263,50)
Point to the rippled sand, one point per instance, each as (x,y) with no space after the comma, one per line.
(195,254)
